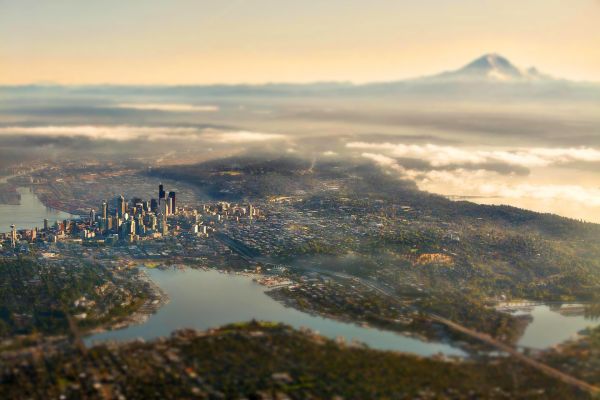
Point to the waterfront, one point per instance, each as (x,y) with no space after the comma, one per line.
(204,299)
(551,325)
(30,213)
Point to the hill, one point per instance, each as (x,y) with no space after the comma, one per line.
(264,361)
(493,250)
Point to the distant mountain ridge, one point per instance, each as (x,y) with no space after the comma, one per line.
(489,77)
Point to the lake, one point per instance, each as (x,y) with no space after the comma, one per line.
(205,299)
(551,327)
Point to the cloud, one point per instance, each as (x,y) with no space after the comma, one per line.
(240,137)
(570,199)
(100,132)
(588,196)
(172,107)
(123,133)
(442,156)
(381,160)
(476,125)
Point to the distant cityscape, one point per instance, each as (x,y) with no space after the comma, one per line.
(121,220)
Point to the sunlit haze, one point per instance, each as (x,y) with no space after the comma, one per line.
(276,199)
(234,41)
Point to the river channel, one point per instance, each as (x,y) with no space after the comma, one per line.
(30,213)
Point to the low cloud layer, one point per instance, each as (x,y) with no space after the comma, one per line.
(573,199)
(240,137)
(122,133)
(117,133)
(443,156)
(173,107)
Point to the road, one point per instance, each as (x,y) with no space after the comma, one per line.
(544,368)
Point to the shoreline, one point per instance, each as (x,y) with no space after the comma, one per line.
(156,299)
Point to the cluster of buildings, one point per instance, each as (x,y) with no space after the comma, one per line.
(137,219)
(131,220)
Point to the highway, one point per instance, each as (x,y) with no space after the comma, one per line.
(544,368)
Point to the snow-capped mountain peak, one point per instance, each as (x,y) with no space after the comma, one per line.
(493,67)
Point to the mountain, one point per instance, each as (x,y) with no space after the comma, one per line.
(489,77)
(492,67)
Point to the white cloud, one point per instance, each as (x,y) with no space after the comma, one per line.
(380,159)
(588,196)
(439,156)
(239,137)
(107,132)
(562,197)
(152,133)
(171,107)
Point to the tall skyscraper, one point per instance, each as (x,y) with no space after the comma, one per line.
(45,224)
(153,205)
(104,209)
(172,204)
(163,207)
(13,236)
(153,222)
(162,225)
(92,216)
(168,203)
(120,206)
(131,226)
(161,192)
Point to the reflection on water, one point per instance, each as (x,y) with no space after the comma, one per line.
(29,213)
(206,299)
(554,324)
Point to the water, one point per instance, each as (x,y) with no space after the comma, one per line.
(30,213)
(206,299)
(550,328)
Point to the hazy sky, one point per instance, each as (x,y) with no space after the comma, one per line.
(201,41)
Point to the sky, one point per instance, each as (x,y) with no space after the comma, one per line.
(258,41)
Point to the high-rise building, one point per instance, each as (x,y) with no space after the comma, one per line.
(13,236)
(45,224)
(153,222)
(154,205)
(139,208)
(140,228)
(131,226)
(163,208)
(169,202)
(172,204)
(165,226)
(92,216)
(104,209)
(161,192)
(121,206)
